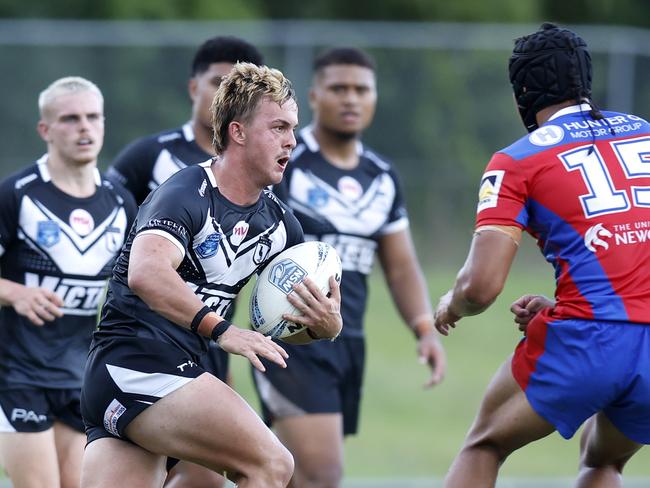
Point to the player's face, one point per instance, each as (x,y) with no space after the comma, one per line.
(269,139)
(203,87)
(343,98)
(73,127)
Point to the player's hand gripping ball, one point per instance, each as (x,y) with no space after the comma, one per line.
(269,303)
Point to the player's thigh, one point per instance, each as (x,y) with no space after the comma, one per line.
(109,462)
(30,459)
(69,448)
(602,444)
(207,422)
(505,419)
(189,475)
(315,440)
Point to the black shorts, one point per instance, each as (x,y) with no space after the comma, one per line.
(322,377)
(124,376)
(36,409)
(216,361)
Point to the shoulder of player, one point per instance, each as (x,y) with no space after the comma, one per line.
(116,188)
(22,179)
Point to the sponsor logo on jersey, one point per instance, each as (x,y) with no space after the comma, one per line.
(317,197)
(286,274)
(111,415)
(350,187)
(488,193)
(80,297)
(546,135)
(210,246)
(24,415)
(48,233)
(262,250)
(81,222)
(239,232)
(595,236)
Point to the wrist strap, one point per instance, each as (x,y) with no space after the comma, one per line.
(196,321)
(219,329)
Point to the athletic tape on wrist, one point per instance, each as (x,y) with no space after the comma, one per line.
(196,321)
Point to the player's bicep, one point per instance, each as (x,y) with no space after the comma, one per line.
(154,250)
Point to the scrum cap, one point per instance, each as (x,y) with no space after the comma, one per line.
(547,67)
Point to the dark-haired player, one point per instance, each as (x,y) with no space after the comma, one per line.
(196,241)
(343,193)
(580,184)
(61,226)
(145,163)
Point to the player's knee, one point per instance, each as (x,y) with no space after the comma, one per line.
(277,468)
(490,445)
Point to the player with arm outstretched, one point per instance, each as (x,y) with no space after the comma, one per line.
(578,184)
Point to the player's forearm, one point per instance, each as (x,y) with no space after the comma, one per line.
(164,291)
(410,294)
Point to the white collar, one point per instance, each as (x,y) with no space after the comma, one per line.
(583,107)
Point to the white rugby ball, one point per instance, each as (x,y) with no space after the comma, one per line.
(268,302)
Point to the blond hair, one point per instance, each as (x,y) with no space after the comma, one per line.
(65,86)
(239,95)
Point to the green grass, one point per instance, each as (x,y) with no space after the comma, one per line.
(410,432)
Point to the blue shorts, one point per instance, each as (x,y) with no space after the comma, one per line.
(36,409)
(572,369)
(322,377)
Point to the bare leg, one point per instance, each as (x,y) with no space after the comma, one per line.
(207,423)
(316,442)
(604,450)
(110,463)
(505,423)
(30,459)
(70,449)
(190,475)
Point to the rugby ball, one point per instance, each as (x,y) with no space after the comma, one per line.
(268,302)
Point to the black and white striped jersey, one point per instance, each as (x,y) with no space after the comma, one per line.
(145,163)
(349,209)
(68,245)
(222,244)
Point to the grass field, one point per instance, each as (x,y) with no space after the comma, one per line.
(408,432)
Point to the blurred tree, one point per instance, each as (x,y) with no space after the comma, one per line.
(623,12)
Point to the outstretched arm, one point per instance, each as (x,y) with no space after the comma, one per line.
(481,278)
(411,296)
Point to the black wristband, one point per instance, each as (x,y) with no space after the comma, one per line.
(219,329)
(196,321)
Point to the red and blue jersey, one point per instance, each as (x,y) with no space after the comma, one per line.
(581,187)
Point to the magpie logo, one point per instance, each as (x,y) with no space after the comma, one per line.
(595,236)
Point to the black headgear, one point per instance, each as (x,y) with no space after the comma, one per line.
(547,67)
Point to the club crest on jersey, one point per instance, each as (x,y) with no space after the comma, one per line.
(262,250)
(317,197)
(113,238)
(81,222)
(209,246)
(488,193)
(48,233)
(350,187)
(286,274)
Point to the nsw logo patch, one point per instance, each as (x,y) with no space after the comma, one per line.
(209,247)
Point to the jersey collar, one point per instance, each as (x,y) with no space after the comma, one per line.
(307,134)
(583,107)
(41,164)
(188,131)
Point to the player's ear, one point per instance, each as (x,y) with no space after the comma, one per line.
(43,130)
(192,87)
(312,99)
(236,132)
